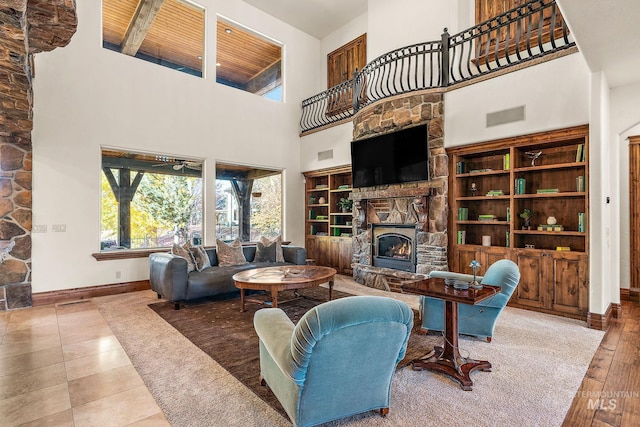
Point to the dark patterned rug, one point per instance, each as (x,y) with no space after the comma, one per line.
(219,329)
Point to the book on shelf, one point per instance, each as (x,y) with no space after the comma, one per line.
(563,248)
(581,222)
(508,213)
(481,170)
(547,190)
(462,237)
(506,162)
(520,184)
(460,167)
(580,153)
(322,233)
(343,187)
(463,214)
(495,193)
(322,187)
(547,227)
(487,217)
(508,241)
(580,184)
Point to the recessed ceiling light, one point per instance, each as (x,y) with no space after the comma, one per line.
(199,57)
(217,64)
(228,31)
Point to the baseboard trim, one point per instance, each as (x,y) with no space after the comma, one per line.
(601,321)
(55,297)
(625,294)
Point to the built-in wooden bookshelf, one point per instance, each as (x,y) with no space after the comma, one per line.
(328,229)
(493,183)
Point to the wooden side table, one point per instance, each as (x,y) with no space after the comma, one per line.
(447,359)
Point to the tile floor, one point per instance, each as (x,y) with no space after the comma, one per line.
(62,366)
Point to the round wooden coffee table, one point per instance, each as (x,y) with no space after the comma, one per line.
(276,279)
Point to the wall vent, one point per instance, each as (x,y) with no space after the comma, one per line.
(505,116)
(325,155)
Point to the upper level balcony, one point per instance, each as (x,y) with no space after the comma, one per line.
(528,34)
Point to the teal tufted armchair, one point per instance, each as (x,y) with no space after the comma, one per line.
(478,320)
(338,360)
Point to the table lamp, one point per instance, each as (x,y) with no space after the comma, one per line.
(475,285)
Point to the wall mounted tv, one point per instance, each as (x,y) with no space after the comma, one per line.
(392,158)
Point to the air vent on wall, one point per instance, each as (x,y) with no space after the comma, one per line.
(325,155)
(505,116)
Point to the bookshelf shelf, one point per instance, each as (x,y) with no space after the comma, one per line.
(552,280)
(328,240)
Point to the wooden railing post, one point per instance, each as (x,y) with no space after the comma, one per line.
(444,59)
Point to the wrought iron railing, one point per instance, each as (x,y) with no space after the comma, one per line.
(527,32)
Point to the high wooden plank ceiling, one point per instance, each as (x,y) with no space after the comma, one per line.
(242,55)
(176,35)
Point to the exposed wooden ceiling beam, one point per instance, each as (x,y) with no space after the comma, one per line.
(140,23)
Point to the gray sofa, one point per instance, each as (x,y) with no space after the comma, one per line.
(170,280)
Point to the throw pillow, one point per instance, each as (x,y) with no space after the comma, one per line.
(278,241)
(184,252)
(200,257)
(266,253)
(230,254)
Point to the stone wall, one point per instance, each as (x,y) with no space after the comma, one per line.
(423,204)
(26,27)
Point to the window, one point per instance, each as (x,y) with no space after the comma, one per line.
(248,202)
(248,61)
(169,33)
(149,201)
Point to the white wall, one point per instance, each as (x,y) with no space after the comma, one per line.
(337,138)
(395,24)
(555,95)
(87,97)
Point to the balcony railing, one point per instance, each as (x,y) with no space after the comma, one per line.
(527,32)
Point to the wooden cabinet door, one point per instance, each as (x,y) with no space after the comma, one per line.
(346,255)
(342,62)
(567,280)
(462,257)
(532,290)
(323,251)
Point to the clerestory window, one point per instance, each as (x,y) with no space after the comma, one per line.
(166,32)
(247,60)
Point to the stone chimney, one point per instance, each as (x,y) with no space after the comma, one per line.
(28,27)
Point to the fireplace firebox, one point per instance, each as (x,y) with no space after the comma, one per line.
(394,246)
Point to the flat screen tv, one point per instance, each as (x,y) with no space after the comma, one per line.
(392,158)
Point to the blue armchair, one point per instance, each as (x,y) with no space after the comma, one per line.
(478,320)
(338,360)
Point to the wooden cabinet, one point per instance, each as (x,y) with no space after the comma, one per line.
(341,65)
(328,229)
(484,255)
(493,183)
(344,61)
(553,281)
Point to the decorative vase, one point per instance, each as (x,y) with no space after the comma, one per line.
(552,220)
(322,201)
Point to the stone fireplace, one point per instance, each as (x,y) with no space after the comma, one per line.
(400,231)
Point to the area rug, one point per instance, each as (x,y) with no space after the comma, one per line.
(221,330)
(538,361)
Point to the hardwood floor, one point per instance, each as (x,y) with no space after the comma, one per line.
(610,391)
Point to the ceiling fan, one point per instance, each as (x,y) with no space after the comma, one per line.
(179,165)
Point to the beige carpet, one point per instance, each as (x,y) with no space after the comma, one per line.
(538,363)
